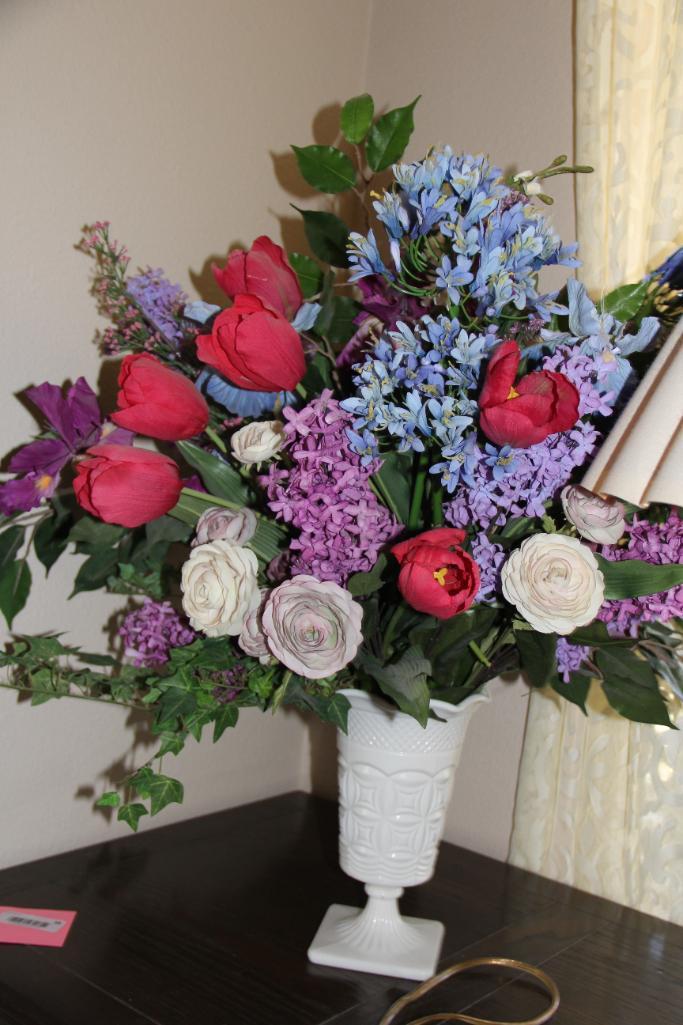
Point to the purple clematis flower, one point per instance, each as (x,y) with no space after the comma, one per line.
(76,423)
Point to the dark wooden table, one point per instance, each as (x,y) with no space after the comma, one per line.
(207,923)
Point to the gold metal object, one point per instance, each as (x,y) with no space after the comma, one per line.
(464,966)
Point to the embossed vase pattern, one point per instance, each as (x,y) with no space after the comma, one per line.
(395,782)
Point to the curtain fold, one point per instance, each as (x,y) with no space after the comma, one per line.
(600,800)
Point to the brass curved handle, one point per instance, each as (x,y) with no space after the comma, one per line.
(464,966)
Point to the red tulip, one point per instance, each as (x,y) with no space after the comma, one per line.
(128,486)
(263,271)
(436,575)
(254,347)
(157,401)
(525,413)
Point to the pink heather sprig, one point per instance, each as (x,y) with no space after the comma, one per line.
(151,631)
(327,496)
(658,543)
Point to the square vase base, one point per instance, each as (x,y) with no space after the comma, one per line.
(334,947)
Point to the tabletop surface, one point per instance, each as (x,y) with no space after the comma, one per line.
(207,923)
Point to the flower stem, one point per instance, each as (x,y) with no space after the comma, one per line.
(418,492)
(437,504)
(378,486)
(218,442)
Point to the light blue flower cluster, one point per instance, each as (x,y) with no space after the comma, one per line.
(458,233)
(415,386)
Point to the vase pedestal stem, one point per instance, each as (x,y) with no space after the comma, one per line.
(378,938)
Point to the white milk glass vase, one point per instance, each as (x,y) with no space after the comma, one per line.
(395,782)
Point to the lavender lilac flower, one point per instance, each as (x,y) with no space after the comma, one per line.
(659,543)
(489,557)
(160,302)
(151,631)
(570,657)
(327,496)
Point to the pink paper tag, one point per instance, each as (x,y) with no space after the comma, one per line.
(38,926)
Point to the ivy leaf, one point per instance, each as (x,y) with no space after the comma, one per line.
(174,706)
(356,117)
(171,744)
(633,578)
(15,585)
(219,477)
(308,272)
(226,717)
(631,687)
(625,302)
(537,653)
(326,168)
(362,584)
(109,800)
(389,137)
(327,236)
(131,814)
(163,791)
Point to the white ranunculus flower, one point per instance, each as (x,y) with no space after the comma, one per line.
(252,639)
(257,442)
(597,519)
(219,524)
(555,583)
(219,587)
(313,627)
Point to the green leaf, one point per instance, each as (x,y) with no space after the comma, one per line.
(362,584)
(633,578)
(596,635)
(91,535)
(576,690)
(395,478)
(326,168)
(166,529)
(15,584)
(389,137)
(404,681)
(131,814)
(340,324)
(537,653)
(327,236)
(226,717)
(163,791)
(518,527)
(93,573)
(175,704)
(334,709)
(109,800)
(308,272)
(448,649)
(625,302)
(50,540)
(338,711)
(268,539)
(10,543)
(171,744)
(356,117)
(631,686)
(189,508)
(219,477)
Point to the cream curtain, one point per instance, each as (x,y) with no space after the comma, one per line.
(600,800)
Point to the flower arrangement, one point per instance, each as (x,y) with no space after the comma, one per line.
(363,470)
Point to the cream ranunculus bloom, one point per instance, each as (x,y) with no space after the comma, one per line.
(555,583)
(252,639)
(218,524)
(597,519)
(257,442)
(219,587)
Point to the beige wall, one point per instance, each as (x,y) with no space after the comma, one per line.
(170,120)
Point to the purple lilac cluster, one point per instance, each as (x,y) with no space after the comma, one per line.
(659,543)
(151,631)
(570,657)
(160,301)
(489,557)
(327,496)
(229,684)
(518,482)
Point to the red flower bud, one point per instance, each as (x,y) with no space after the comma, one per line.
(128,486)
(436,575)
(157,401)
(525,413)
(254,347)
(263,271)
